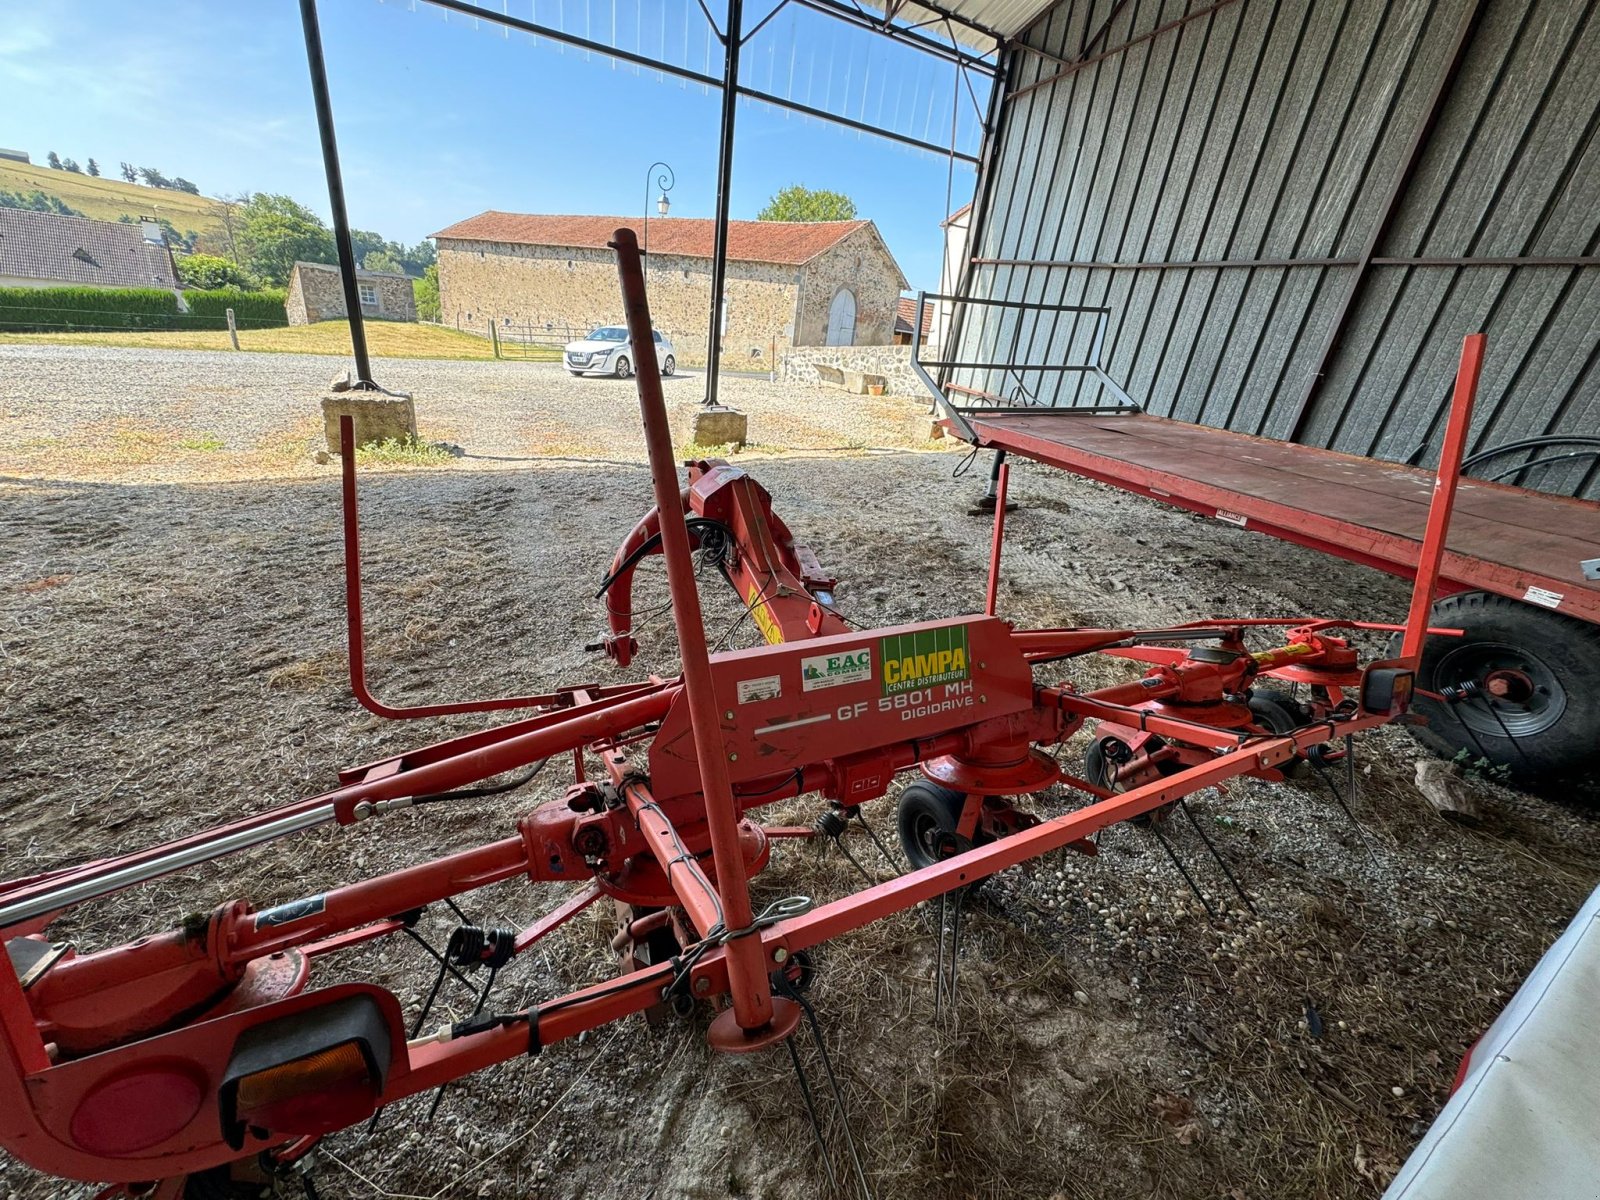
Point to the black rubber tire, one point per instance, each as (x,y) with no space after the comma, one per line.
(925,811)
(1558,732)
(669,366)
(622,368)
(1276,712)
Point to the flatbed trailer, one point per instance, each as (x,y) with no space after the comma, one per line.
(1520,688)
(1520,576)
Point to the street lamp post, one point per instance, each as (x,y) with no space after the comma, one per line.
(665,182)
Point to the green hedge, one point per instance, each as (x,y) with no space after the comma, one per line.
(57,308)
(63,309)
(252,310)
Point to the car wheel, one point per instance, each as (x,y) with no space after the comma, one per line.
(623,368)
(669,366)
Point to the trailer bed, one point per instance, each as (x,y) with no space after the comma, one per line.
(1517,543)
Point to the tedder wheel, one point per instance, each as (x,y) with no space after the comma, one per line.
(623,367)
(1526,682)
(669,366)
(927,815)
(1100,762)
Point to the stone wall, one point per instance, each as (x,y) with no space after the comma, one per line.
(571,290)
(565,291)
(862,263)
(799,365)
(316,293)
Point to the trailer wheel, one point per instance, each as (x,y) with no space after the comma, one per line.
(1527,682)
(927,816)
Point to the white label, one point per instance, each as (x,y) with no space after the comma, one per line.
(1155,491)
(836,670)
(768,687)
(1543,596)
(1232,518)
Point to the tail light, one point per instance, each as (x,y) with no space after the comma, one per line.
(1386,690)
(311,1072)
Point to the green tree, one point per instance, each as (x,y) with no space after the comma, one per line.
(71,164)
(382,260)
(94,168)
(426,290)
(419,258)
(130,172)
(54,160)
(209,271)
(37,201)
(799,203)
(275,232)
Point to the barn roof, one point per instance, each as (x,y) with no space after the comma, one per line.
(789,243)
(906,313)
(76,250)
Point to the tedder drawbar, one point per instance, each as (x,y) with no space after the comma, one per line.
(192,1048)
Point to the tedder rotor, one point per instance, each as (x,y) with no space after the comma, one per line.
(209,1044)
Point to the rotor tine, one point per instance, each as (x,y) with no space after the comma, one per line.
(955,958)
(1494,711)
(811,1111)
(833,1082)
(938,969)
(894,863)
(1338,798)
(854,861)
(1216,854)
(1184,871)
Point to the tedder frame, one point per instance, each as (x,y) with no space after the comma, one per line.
(204,1045)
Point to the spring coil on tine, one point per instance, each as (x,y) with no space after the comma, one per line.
(472,945)
(831,823)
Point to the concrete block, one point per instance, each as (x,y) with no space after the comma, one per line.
(827,374)
(377,417)
(718,426)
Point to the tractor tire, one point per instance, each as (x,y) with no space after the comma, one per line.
(1550,661)
(927,816)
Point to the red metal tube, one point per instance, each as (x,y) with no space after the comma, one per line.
(697,893)
(992,595)
(1444,496)
(353,611)
(751,991)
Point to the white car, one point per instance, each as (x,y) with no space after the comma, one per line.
(607,351)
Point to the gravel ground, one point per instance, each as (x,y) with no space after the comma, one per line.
(172,657)
(168,416)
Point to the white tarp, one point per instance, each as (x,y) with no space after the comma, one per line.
(1525,1121)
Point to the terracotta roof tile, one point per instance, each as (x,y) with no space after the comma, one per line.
(76,250)
(907,309)
(784,242)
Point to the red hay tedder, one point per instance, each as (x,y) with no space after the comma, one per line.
(206,1045)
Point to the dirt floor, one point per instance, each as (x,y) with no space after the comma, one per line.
(172,656)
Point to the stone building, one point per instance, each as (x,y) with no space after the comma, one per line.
(316,293)
(789,284)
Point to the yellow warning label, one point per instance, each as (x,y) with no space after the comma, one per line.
(763,617)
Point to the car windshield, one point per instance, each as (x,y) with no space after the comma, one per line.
(609,333)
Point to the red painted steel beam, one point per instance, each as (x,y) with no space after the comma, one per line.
(1457,430)
(354,624)
(751,991)
(991,594)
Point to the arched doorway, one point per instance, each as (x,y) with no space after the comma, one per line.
(842,319)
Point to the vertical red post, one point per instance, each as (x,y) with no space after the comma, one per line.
(992,595)
(747,974)
(1444,495)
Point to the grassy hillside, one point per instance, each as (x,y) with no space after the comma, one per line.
(107,199)
(385,339)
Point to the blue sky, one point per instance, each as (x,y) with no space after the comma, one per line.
(440,117)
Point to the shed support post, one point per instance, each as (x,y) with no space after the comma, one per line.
(719,251)
(330,164)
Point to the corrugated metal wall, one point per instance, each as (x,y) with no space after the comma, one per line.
(1258,131)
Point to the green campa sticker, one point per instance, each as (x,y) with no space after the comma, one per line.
(918,660)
